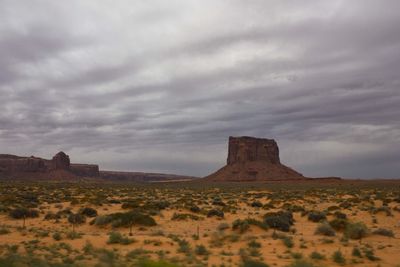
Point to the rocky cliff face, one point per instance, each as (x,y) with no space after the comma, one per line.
(11,163)
(61,161)
(88,170)
(253,159)
(244,149)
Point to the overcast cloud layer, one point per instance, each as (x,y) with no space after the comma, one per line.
(160,85)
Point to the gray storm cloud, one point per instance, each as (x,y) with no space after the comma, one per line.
(160,85)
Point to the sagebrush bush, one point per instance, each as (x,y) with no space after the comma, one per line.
(338,224)
(338,257)
(253,263)
(89,212)
(316,216)
(325,229)
(281,220)
(118,238)
(356,230)
(384,232)
(215,213)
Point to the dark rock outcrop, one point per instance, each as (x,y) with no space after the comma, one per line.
(253,159)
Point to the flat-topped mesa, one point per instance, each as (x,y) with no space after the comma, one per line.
(253,159)
(59,165)
(246,148)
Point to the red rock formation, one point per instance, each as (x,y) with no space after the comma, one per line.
(61,161)
(31,167)
(253,159)
(88,170)
(11,163)
(244,149)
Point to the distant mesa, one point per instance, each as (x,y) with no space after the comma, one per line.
(59,167)
(253,159)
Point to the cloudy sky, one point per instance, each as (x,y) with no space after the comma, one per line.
(160,85)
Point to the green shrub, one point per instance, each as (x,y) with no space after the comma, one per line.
(301,263)
(256,204)
(356,252)
(124,219)
(356,230)
(338,257)
(384,232)
(184,246)
(281,220)
(4,231)
(338,224)
(340,215)
(215,213)
(21,213)
(253,263)
(194,209)
(316,216)
(184,217)
(325,229)
(150,263)
(57,236)
(317,256)
(254,244)
(201,250)
(118,238)
(223,226)
(369,253)
(88,212)
(241,225)
(76,218)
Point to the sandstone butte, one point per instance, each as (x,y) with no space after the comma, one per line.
(253,159)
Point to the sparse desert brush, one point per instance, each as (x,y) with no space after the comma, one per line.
(281,220)
(325,229)
(223,226)
(339,224)
(215,213)
(256,204)
(317,256)
(338,257)
(287,240)
(384,232)
(253,263)
(88,212)
(150,263)
(316,216)
(23,213)
(185,216)
(356,252)
(244,225)
(382,209)
(356,230)
(4,231)
(201,250)
(340,215)
(118,238)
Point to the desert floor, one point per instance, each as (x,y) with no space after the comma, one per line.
(200,225)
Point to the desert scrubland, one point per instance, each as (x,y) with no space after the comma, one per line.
(196,224)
